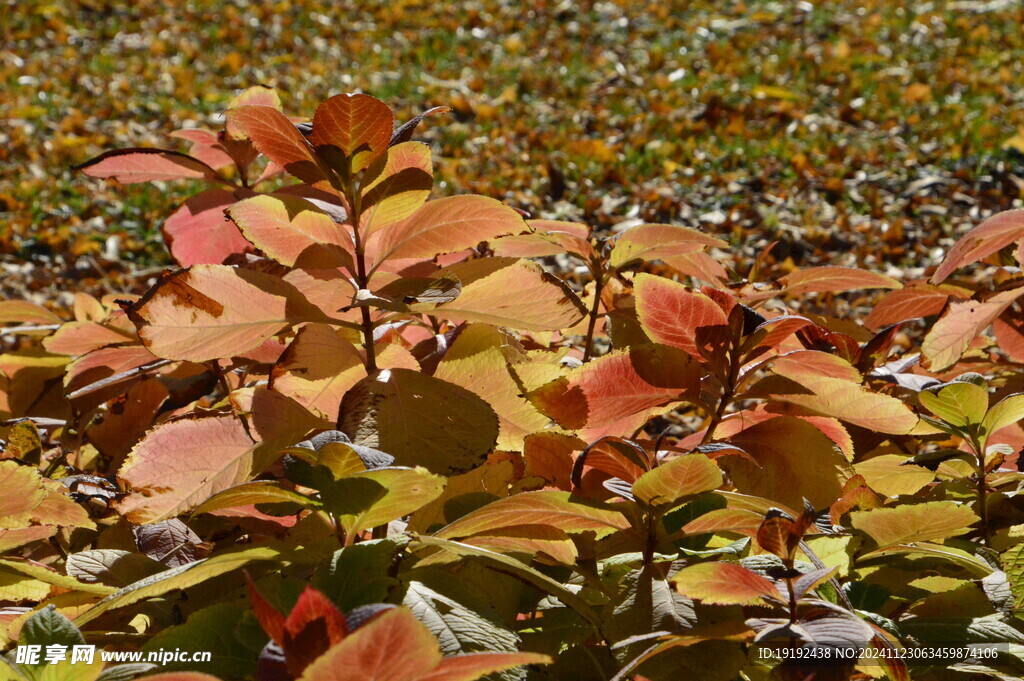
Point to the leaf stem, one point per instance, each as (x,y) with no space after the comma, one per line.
(594,314)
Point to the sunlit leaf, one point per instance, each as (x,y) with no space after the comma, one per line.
(930,521)
(358,126)
(279,140)
(182,463)
(444,226)
(673,314)
(998,231)
(835,280)
(659,242)
(211,311)
(668,484)
(291,230)
(724,583)
(553,508)
(542,301)
(398,184)
(147,165)
(950,337)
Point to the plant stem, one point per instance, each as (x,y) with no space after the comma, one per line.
(594,310)
(354,201)
(979,452)
(728,392)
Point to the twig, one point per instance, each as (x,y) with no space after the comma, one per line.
(117,378)
(27,328)
(41,422)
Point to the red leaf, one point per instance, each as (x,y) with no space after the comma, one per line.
(998,231)
(311,628)
(620,391)
(270,619)
(205,146)
(140,164)
(198,233)
(671,313)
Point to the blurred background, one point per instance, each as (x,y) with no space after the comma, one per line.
(865,132)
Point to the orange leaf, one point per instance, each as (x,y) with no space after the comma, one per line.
(212,311)
(659,242)
(832,279)
(181,463)
(620,391)
(724,583)
(359,126)
(393,646)
(912,302)
(830,386)
(445,226)
(278,139)
(292,231)
(474,665)
(950,337)
(993,234)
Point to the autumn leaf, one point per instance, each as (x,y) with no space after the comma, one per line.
(420,420)
(211,311)
(444,226)
(1000,230)
(832,279)
(725,584)
(137,164)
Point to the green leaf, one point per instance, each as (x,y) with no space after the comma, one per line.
(215,629)
(258,492)
(1009,410)
(180,577)
(461,618)
(1012,562)
(46,627)
(361,574)
(510,565)
(376,497)
(48,576)
(670,483)
(959,403)
(554,508)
